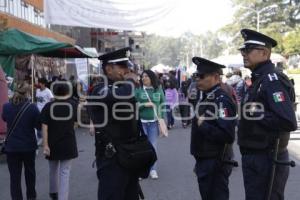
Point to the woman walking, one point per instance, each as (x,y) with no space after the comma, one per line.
(59,140)
(171,101)
(151,99)
(22,117)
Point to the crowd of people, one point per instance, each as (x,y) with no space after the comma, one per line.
(158,96)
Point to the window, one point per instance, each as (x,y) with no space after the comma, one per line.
(23,10)
(30,14)
(3,5)
(36,16)
(18,8)
(11,6)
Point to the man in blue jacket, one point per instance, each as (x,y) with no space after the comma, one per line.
(213,129)
(268,116)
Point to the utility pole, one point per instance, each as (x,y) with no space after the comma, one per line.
(258,12)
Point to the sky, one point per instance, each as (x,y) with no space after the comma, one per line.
(196,16)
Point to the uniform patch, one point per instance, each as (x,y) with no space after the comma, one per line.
(223,112)
(273,77)
(278,97)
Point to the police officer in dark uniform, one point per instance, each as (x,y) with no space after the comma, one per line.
(212,132)
(112,127)
(267,117)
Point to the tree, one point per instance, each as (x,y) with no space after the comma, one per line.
(276,18)
(179,51)
(292,42)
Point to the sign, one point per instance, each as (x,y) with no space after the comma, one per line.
(82,71)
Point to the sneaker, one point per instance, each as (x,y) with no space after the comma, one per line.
(153,174)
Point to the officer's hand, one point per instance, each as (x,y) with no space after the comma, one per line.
(46,150)
(200,120)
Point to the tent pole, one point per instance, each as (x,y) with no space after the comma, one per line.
(32,78)
(88,71)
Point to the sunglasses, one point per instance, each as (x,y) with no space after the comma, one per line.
(200,76)
(249,50)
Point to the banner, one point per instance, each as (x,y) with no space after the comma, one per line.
(82,72)
(133,15)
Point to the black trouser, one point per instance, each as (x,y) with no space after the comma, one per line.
(213,179)
(185,113)
(256,172)
(15,163)
(115,182)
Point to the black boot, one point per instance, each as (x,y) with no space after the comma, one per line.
(53,196)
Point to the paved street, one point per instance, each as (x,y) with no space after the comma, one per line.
(176,179)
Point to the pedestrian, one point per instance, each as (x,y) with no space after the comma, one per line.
(151,98)
(171,94)
(236,81)
(22,118)
(268,116)
(213,130)
(43,96)
(3,100)
(115,181)
(59,142)
(184,106)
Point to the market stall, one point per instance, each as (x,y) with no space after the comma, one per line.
(23,54)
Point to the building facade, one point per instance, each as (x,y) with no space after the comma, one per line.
(27,16)
(106,40)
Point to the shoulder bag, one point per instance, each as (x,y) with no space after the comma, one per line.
(137,155)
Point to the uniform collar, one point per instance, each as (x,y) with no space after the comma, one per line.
(210,93)
(261,69)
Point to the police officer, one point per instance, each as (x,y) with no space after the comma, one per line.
(115,182)
(267,115)
(212,132)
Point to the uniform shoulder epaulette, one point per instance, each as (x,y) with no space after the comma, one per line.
(272,77)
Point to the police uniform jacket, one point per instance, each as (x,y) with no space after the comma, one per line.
(276,119)
(208,140)
(110,129)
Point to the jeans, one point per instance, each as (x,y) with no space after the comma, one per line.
(15,162)
(170,115)
(152,131)
(59,175)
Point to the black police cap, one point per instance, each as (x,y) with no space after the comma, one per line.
(254,38)
(205,66)
(120,57)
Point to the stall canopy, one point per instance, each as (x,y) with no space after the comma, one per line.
(14,42)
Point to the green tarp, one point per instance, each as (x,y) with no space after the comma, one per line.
(14,42)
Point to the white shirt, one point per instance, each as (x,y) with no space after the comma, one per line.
(43,97)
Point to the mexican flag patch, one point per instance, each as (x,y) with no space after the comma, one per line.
(278,97)
(223,112)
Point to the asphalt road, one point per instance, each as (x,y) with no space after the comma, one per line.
(176,178)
